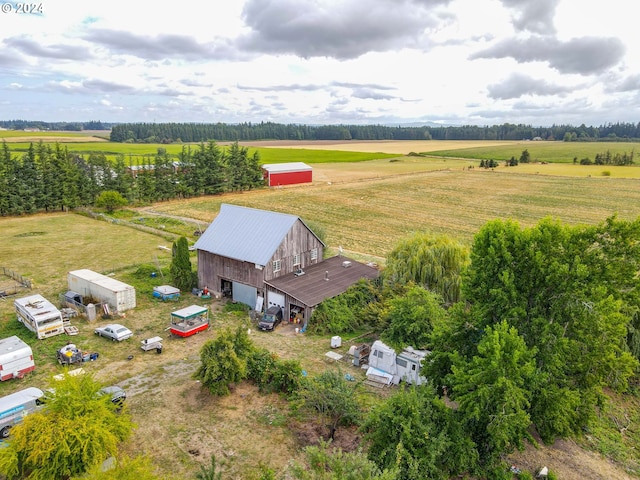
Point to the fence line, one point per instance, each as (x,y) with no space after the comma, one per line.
(25,282)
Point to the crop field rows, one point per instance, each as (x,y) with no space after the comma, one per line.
(372,216)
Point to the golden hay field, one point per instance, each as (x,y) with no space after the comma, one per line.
(387,146)
(370,214)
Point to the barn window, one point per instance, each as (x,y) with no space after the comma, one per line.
(296,260)
(314,255)
(277,265)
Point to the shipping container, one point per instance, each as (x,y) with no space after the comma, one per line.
(16,358)
(39,315)
(118,295)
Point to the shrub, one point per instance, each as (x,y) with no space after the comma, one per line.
(273,375)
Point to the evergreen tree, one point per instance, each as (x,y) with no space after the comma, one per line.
(181,270)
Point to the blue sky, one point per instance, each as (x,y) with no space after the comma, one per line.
(482,62)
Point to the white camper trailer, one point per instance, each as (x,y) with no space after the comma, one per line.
(39,315)
(385,366)
(16,358)
(118,295)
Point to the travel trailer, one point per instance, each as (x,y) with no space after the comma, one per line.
(39,315)
(16,358)
(385,366)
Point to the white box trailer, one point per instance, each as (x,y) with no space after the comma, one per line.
(16,358)
(118,295)
(39,315)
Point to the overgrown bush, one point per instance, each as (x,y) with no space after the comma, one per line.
(356,307)
(272,374)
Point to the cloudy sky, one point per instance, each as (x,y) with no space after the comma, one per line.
(480,62)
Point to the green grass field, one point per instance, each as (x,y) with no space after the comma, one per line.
(144,153)
(553,152)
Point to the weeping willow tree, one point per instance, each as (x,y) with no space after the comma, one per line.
(434,262)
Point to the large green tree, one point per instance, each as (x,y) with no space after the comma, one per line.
(333,398)
(325,463)
(415,433)
(408,318)
(76,430)
(493,390)
(110,200)
(223,361)
(569,291)
(433,262)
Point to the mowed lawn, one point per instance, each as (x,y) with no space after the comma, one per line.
(45,247)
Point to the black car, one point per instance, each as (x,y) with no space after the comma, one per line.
(117,394)
(271,318)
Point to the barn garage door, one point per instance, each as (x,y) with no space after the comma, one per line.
(245,294)
(274,298)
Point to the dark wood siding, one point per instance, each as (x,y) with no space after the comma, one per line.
(299,240)
(213,268)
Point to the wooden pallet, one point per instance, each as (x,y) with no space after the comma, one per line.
(71,330)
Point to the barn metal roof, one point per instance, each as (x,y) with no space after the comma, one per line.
(286,167)
(246,234)
(323,280)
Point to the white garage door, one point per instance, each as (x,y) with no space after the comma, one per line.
(274,298)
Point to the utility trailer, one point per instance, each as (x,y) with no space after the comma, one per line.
(153,343)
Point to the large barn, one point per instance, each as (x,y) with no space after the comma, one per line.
(277,174)
(263,258)
(244,247)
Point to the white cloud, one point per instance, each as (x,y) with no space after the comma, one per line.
(323,61)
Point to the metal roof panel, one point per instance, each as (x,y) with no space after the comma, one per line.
(246,234)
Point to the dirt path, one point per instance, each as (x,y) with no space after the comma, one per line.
(150,211)
(569,462)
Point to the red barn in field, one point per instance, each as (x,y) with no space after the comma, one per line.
(278,174)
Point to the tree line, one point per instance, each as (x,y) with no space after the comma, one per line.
(58,126)
(202,132)
(50,178)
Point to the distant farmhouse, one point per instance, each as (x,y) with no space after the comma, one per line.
(262,258)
